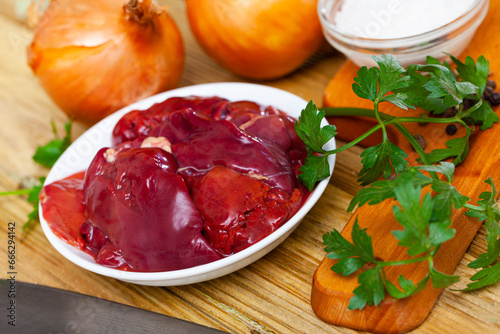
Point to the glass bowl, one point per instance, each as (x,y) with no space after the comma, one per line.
(79,155)
(452,37)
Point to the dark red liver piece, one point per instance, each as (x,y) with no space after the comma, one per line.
(143,206)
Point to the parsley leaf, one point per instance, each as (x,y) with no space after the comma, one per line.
(420,234)
(375,83)
(419,93)
(402,100)
(446,197)
(407,286)
(452,92)
(484,277)
(366,83)
(370,290)
(441,280)
(48,154)
(483,115)
(457,147)
(414,217)
(379,191)
(381,159)
(391,75)
(445,168)
(489,212)
(352,256)
(443,84)
(316,168)
(309,128)
(475,74)
(32,198)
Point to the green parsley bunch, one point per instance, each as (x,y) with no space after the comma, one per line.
(425,219)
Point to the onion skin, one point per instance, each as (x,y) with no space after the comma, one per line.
(95,57)
(257,39)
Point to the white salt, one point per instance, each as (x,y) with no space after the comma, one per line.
(385,19)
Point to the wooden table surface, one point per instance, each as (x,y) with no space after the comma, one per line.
(270,296)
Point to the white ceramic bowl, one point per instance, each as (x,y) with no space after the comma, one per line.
(79,155)
(452,37)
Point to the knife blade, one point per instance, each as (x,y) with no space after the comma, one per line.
(41,309)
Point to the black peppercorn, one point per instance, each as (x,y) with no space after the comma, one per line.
(450,112)
(451,129)
(494,98)
(488,90)
(421,141)
(468,103)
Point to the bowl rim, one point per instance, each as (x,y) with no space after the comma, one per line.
(201,272)
(477,11)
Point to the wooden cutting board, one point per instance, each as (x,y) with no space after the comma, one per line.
(331,292)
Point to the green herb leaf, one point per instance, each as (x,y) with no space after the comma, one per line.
(348,265)
(48,154)
(441,280)
(457,147)
(440,232)
(366,83)
(489,212)
(33,198)
(315,136)
(419,94)
(352,256)
(420,234)
(376,193)
(484,277)
(391,74)
(446,197)
(403,101)
(444,85)
(370,290)
(492,253)
(407,286)
(379,191)
(487,204)
(414,217)
(375,83)
(309,128)
(453,92)
(337,246)
(484,115)
(475,74)
(316,168)
(381,159)
(445,168)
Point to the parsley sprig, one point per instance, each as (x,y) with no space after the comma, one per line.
(46,156)
(424,195)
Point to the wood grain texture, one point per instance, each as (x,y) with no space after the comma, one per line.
(270,296)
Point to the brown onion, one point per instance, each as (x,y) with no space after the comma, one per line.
(95,57)
(257,39)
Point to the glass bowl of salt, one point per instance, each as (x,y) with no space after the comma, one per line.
(408,29)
